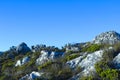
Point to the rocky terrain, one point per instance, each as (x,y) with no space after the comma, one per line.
(110,37)
(95,60)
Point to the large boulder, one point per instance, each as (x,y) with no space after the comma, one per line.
(23,61)
(23,48)
(87,62)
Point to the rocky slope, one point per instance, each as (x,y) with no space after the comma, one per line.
(95,60)
(110,37)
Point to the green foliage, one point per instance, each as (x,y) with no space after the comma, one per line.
(109,74)
(101,66)
(58,71)
(108,55)
(44,65)
(2,77)
(69,56)
(87,78)
(94,48)
(73,56)
(91,48)
(7,64)
(105,72)
(117,47)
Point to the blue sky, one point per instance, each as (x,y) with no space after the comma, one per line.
(55,22)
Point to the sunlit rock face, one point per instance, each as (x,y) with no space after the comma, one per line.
(110,37)
(87,62)
(22,62)
(46,56)
(22,48)
(32,76)
(74,63)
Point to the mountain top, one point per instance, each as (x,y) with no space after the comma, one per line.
(22,48)
(80,61)
(109,37)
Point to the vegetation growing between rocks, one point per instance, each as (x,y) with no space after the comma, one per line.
(58,69)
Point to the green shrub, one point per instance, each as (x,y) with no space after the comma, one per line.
(109,55)
(3,77)
(7,64)
(105,72)
(109,74)
(92,48)
(73,56)
(87,78)
(58,71)
(117,47)
(44,65)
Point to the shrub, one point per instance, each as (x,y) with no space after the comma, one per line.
(105,72)
(73,56)
(108,55)
(92,48)
(109,74)
(2,77)
(44,65)
(7,64)
(87,78)
(58,71)
(117,47)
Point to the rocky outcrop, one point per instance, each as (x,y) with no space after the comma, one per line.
(32,76)
(87,62)
(116,61)
(22,48)
(110,37)
(22,62)
(46,56)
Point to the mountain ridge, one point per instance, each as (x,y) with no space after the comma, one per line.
(81,61)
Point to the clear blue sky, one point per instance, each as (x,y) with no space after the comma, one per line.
(55,22)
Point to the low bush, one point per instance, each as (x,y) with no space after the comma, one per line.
(105,72)
(91,48)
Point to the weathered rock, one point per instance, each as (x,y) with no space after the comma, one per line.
(22,62)
(32,76)
(87,62)
(46,56)
(23,48)
(110,37)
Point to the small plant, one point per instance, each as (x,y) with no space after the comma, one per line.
(91,48)
(44,65)
(105,72)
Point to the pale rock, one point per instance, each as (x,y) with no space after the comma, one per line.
(18,63)
(110,37)
(22,62)
(32,76)
(86,62)
(46,56)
